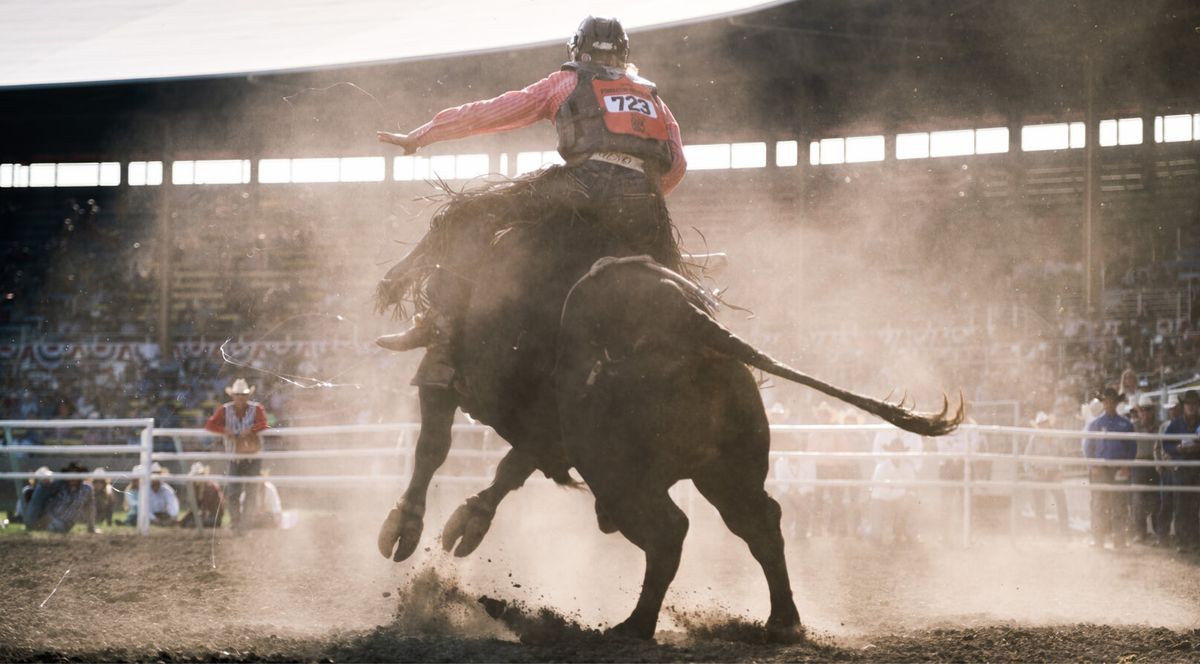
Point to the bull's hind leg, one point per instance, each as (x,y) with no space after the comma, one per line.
(652,521)
(401,529)
(736,490)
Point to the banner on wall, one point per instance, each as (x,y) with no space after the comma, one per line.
(52,356)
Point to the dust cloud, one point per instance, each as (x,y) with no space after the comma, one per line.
(867,256)
(545,559)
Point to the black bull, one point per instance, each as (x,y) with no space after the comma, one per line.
(628,379)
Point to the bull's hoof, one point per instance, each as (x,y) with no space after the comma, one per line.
(467,526)
(785,631)
(631,629)
(401,531)
(607,525)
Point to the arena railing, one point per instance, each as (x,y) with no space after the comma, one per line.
(144,449)
(406,441)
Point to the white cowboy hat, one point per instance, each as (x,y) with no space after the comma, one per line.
(1146,401)
(239,387)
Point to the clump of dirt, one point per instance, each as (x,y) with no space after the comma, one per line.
(432,604)
(537,625)
(717,626)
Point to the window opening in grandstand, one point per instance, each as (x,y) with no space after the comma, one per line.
(991,140)
(912,146)
(41,175)
(1053,136)
(747,155)
(1175,128)
(1078,135)
(527,162)
(828,151)
(274,171)
(504,163)
(1122,131)
(787,153)
(211,171)
(468,166)
(452,166)
(87,174)
(143,173)
(861,149)
(952,143)
(316,170)
(707,157)
(362,169)
(14,175)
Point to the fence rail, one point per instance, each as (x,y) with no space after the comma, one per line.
(405,443)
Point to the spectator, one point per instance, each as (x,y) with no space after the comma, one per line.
(56,505)
(1145,507)
(41,476)
(105,497)
(267,510)
(239,422)
(1110,509)
(164,504)
(1183,504)
(209,500)
(794,491)
(1130,393)
(891,505)
(836,506)
(1043,471)
(952,470)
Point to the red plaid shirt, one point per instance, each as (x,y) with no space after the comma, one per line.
(521,108)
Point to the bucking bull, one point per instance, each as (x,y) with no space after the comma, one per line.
(615,367)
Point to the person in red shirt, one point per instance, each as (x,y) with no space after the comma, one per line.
(620,142)
(239,422)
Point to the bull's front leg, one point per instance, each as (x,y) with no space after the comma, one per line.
(401,530)
(470,522)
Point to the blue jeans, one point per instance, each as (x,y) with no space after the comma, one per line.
(1185,506)
(238,509)
(36,515)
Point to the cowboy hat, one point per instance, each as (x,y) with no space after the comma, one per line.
(239,387)
(1146,401)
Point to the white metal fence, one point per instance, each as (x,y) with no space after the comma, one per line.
(491,450)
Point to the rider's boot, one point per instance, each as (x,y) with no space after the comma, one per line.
(424,332)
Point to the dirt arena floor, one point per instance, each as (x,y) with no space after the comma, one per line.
(321,593)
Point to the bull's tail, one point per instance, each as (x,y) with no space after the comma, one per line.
(721,339)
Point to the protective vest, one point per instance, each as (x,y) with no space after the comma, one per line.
(611,110)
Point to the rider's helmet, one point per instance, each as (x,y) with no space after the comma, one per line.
(599,40)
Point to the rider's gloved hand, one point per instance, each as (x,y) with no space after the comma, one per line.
(409,145)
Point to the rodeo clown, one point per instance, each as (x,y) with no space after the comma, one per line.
(623,154)
(239,422)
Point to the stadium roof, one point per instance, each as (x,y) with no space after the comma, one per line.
(57,42)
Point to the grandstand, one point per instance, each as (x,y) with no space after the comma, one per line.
(1001,197)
